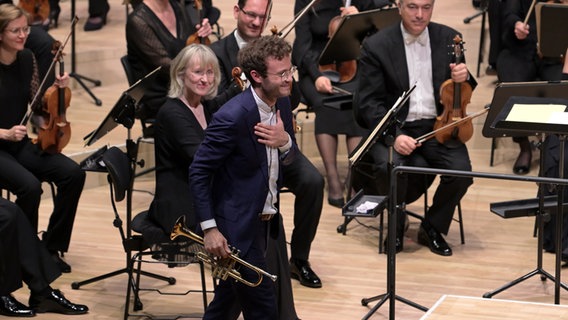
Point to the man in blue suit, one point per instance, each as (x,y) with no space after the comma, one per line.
(236,174)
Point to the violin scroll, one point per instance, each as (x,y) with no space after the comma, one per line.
(238,76)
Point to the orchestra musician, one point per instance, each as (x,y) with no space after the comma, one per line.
(312,34)
(519,61)
(180,128)
(24,165)
(391,61)
(301,177)
(235,182)
(156,31)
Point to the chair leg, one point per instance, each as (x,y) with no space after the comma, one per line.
(462,234)
(203,284)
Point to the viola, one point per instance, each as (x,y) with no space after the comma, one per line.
(194,38)
(455,97)
(55,134)
(38,10)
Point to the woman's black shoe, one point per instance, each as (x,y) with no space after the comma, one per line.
(338,203)
(96,22)
(54,16)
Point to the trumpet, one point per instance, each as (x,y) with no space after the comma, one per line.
(220,268)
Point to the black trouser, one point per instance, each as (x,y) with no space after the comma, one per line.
(97,8)
(433,155)
(23,170)
(306,183)
(22,255)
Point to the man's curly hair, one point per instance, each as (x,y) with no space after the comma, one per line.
(256,53)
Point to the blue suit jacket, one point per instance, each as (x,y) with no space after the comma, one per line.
(229,173)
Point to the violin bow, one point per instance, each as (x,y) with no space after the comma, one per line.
(450,125)
(56,58)
(529,12)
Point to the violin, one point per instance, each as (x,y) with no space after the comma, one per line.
(55,134)
(455,97)
(194,38)
(38,10)
(339,72)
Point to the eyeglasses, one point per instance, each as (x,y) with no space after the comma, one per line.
(16,31)
(284,75)
(200,73)
(252,15)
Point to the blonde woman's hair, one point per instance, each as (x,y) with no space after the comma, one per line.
(9,13)
(194,53)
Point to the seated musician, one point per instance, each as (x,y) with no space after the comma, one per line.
(519,61)
(311,38)
(180,128)
(24,164)
(414,51)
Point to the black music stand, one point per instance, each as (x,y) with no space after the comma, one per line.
(73,74)
(532,114)
(505,90)
(345,45)
(550,19)
(123,113)
(384,129)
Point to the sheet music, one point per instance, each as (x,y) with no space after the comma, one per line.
(539,113)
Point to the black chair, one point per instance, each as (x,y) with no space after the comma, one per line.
(120,177)
(151,242)
(364,178)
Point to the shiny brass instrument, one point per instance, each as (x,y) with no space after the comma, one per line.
(220,268)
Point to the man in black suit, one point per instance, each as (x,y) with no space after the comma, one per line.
(24,258)
(415,51)
(301,177)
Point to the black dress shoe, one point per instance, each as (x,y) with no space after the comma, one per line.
(300,270)
(55,302)
(63,266)
(11,307)
(434,240)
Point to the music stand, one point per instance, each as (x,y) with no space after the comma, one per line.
(123,110)
(523,113)
(123,113)
(550,19)
(73,74)
(345,45)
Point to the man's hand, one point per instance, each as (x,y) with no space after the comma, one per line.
(459,72)
(405,145)
(215,243)
(272,135)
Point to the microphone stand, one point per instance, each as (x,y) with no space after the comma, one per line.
(79,78)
